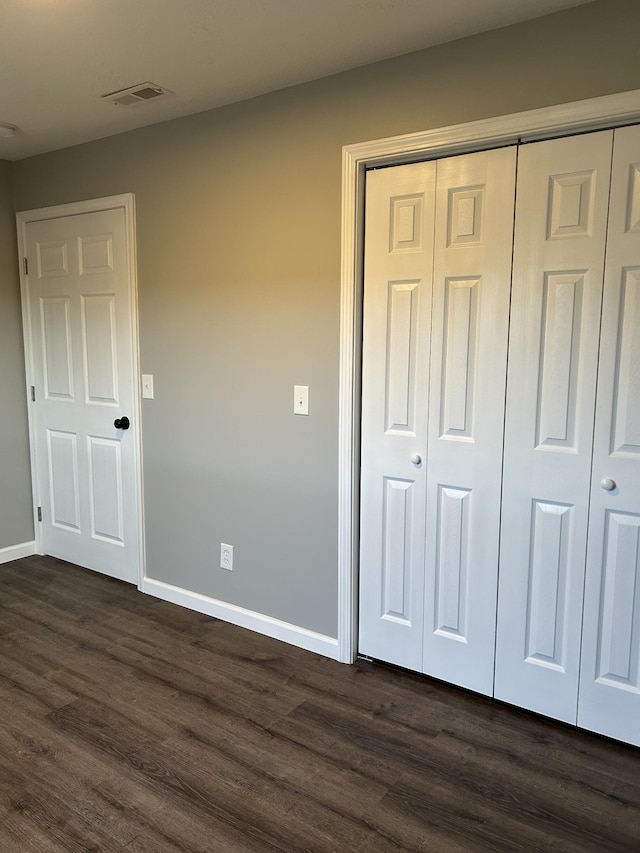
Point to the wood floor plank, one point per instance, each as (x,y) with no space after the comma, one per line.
(298,765)
(41,758)
(500,816)
(41,812)
(421,811)
(127,723)
(162,823)
(25,676)
(72,781)
(260,794)
(583,778)
(236,800)
(247,695)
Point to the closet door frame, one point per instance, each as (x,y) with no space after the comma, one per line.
(563,120)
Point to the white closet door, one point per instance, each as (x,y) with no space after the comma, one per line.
(561,214)
(472,279)
(610,674)
(397,309)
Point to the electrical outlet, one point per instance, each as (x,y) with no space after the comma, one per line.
(226,557)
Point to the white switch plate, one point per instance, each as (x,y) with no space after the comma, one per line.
(147,386)
(301,399)
(226,557)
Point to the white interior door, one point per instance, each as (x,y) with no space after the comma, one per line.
(432,433)
(561,216)
(470,322)
(609,696)
(397,320)
(80,316)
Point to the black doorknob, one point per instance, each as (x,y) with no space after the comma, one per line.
(122,423)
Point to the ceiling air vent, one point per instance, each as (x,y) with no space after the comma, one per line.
(136,94)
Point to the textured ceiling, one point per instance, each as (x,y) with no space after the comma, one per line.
(57,57)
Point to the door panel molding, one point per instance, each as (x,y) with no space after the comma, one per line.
(95,256)
(561,120)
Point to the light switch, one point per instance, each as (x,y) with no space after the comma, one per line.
(301,399)
(147,386)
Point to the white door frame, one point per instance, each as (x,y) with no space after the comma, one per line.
(125,201)
(564,119)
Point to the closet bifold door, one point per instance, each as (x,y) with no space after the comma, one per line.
(470,319)
(433,390)
(561,219)
(609,695)
(398,263)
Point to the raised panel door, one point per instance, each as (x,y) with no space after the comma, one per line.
(81,334)
(396,333)
(559,252)
(470,319)
(609,696)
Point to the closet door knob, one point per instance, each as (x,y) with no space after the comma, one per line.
(608,484)
(122,423)
(416,459)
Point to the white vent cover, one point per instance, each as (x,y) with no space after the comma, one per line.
(141,93)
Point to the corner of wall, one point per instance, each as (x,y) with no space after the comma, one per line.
(16,505)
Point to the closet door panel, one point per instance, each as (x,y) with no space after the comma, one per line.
(561,215)
(472,276)
(397,318)
(609,698)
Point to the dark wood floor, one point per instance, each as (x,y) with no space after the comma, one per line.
(127,723)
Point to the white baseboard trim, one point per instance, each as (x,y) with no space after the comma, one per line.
(17,552)
(258,622)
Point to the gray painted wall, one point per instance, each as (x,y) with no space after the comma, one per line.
(238,217)
(16,520)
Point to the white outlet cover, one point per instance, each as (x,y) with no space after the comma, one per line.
(147,386)
(226,556)
(301,399)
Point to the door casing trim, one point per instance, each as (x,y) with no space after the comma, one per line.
(126,201)
(560,120)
